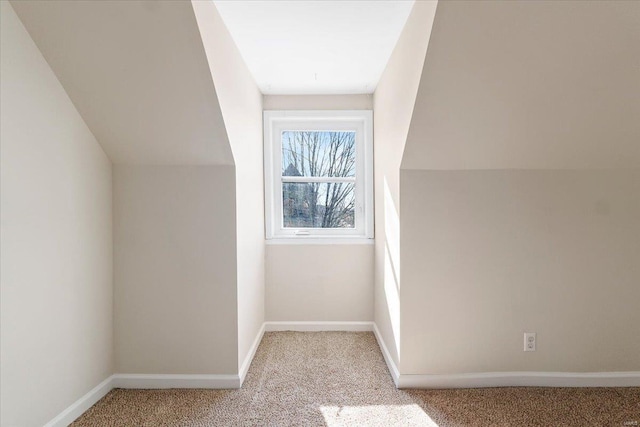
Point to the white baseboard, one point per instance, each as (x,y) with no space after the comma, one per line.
(244,368)
(506,379)
(470,380)
(521,379)
(155,381)
(319,326)
(77,408)
(135,381)
(393,369)
(176,381)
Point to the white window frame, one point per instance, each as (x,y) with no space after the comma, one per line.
(360,121)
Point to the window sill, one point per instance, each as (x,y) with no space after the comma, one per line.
(320,241)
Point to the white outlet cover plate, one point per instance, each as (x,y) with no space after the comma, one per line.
(529,341)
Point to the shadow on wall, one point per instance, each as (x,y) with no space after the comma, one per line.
(392,263)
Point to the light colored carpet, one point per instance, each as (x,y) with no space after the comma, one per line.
(340,379)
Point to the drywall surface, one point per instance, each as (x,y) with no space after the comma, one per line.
(314,47)
(241,104)
(175,270)
(520,190)
(529,85)
(138,74)
(56,291)
(393,106)
(489,255)
(319,282)
(318,102)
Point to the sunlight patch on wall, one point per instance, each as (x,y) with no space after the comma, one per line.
(392,230)
(392,295)
(392,264)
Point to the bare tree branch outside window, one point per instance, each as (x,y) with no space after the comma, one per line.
(319,154)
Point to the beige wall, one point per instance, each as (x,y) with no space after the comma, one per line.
(175,270)
(319,282)
(489,255)
(519,190)
(56,280)
(318,102)
(529,85)
(393,107)
(306,282)
(137,72)
(241,104)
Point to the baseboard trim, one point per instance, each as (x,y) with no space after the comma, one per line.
(402,381)
(156,381)
(393,369)
(319,326)
(244,368)
(78,408)
(176,381)
(505,379)
(141,381)
(521,379)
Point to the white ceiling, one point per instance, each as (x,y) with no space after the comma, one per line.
(315,46)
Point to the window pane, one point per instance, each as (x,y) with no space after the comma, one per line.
(318,205)
(318,153)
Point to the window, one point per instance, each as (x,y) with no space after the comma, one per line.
(318,174)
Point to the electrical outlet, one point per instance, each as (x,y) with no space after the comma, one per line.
(529,341)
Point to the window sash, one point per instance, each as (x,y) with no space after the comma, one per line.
(320,179)
(338,230)
(326,121)
(328,130)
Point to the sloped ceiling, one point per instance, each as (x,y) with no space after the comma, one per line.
(137,73)
(539,85)
(315,46)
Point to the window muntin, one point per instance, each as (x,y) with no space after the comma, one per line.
(318,174)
